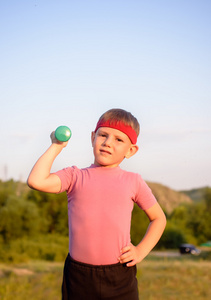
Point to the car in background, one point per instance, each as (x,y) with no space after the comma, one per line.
(189,249)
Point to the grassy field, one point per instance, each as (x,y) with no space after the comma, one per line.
(174,279)
(169,278)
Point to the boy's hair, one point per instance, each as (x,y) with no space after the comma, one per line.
(117,114)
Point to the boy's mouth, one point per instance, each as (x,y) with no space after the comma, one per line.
(105,151)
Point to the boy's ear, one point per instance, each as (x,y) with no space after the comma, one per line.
(93,137)
(133,149)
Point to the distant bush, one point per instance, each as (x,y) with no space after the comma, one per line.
(171,238)
(51,247)
(139,224)
(18,218)
(52,211)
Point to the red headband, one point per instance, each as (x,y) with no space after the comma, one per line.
(128,130)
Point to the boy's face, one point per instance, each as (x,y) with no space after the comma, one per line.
(111,146)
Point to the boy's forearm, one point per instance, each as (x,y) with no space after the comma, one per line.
(41,170)
(131,254)
(152,236)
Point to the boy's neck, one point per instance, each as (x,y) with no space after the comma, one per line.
(105,167)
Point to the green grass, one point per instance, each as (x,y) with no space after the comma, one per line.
(174,279)
(34,280)
(159,278)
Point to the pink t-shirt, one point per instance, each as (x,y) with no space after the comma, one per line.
(100,203)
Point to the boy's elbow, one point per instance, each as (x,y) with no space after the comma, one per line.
(31,183)
(164,220)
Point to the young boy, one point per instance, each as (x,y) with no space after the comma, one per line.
(101,263)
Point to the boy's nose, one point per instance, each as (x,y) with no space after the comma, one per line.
(107,141)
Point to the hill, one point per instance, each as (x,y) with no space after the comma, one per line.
(168,199)
(196,195)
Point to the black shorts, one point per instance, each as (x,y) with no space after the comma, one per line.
(90,282)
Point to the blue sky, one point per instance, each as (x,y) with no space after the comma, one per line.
(67,62)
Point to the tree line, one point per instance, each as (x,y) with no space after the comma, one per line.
(27,216)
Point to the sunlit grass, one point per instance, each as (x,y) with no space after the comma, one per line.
(174,279)
(42,281)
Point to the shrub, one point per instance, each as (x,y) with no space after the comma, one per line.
(51,247)
(171,238)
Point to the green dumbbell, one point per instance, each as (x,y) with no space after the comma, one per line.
(63,133)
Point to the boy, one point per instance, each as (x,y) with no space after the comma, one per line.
(101,263)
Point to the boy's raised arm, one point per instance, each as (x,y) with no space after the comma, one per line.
(40,177)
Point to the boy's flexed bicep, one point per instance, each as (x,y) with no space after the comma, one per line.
(52,184)
(40,177)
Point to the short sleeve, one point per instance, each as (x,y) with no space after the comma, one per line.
(144,196)
(67,177)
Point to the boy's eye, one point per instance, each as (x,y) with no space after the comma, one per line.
(102,134)
(119,140)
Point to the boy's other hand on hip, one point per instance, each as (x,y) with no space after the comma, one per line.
(129,255)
